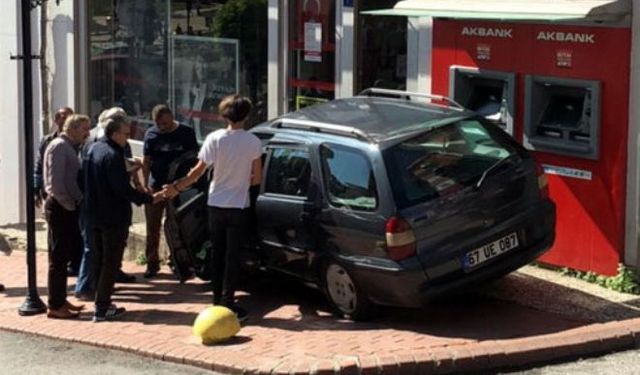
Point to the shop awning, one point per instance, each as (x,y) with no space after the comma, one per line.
(541,10)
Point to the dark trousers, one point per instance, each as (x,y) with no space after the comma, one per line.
(153,214)
(63,240)
(75,258)
(109,243)
(229,229)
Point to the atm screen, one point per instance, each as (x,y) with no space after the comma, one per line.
(564,111)
(486,100)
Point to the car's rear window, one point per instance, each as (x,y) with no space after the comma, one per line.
(444,160)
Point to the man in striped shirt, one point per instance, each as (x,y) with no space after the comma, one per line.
(60,172)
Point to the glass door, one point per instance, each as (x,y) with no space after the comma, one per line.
(381,48)
(312,48)
(128,58)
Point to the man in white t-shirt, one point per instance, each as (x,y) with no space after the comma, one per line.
(234,155)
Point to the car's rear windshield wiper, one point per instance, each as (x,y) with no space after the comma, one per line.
(491,168)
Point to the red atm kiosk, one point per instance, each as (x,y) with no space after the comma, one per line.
(561,90)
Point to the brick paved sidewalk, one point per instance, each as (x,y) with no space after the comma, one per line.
(290,331)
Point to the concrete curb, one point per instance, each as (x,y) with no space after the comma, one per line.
(483,356)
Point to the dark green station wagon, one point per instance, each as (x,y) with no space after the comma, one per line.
(386,198)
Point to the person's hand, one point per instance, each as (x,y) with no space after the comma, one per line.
(39,197)
(137,163)
(158,197)
(169,191)
(133,165)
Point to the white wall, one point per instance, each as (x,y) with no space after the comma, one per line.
(419,50)
(11,150)
(60,58)
(632,224)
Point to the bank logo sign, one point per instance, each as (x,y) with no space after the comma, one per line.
(558,36)
(486,32)
(549,36)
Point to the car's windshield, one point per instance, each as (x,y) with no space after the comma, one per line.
(444,160)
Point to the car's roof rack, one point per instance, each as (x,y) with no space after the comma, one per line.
(374,91)
(322,127)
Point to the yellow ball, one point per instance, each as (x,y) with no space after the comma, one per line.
(215,324)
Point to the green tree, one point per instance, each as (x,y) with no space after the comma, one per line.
(246,21)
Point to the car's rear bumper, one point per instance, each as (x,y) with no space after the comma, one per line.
(494,270)
(408,285)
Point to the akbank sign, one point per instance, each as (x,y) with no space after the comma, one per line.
(494,32)
(550,36)
(558,36)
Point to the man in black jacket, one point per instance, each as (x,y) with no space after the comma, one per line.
(109,195)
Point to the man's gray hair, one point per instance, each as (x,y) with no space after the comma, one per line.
(113,125)
(110,113)
(74,121)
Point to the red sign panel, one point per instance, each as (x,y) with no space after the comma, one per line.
(591,212)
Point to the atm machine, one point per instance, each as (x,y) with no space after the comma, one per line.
(562,116)
(488,92)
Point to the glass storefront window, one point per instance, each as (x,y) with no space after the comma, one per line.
(311,52)
(381,48)
(128,62)
(185,53)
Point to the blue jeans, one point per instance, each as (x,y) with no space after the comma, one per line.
(86,278)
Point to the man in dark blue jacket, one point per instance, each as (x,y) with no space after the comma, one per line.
(109,195)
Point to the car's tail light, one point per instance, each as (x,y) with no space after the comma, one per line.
(543,183)
(401,241)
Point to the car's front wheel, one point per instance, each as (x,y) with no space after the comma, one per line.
(343,293)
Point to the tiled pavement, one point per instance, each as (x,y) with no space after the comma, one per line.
(290,331)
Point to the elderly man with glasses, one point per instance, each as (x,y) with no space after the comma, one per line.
(109,196)
(85,283)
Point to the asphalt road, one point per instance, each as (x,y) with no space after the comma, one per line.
(622,363)
(31,355)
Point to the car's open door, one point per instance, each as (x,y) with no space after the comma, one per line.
(185,225)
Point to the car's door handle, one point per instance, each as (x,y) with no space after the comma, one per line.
(309,212)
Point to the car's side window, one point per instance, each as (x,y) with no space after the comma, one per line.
(348,178)
(289,172)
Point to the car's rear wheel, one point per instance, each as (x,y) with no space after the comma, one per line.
(343,293)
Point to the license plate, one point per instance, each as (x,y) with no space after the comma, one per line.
(489,251)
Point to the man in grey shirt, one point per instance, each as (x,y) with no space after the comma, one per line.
(60,172)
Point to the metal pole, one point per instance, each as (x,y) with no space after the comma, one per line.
(32,304)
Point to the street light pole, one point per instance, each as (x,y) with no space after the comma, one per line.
(32,304)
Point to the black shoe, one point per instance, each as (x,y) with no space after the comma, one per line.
(113,312)
(151,272)
(241,313)
(85,296)
(124,278)
(1,288)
